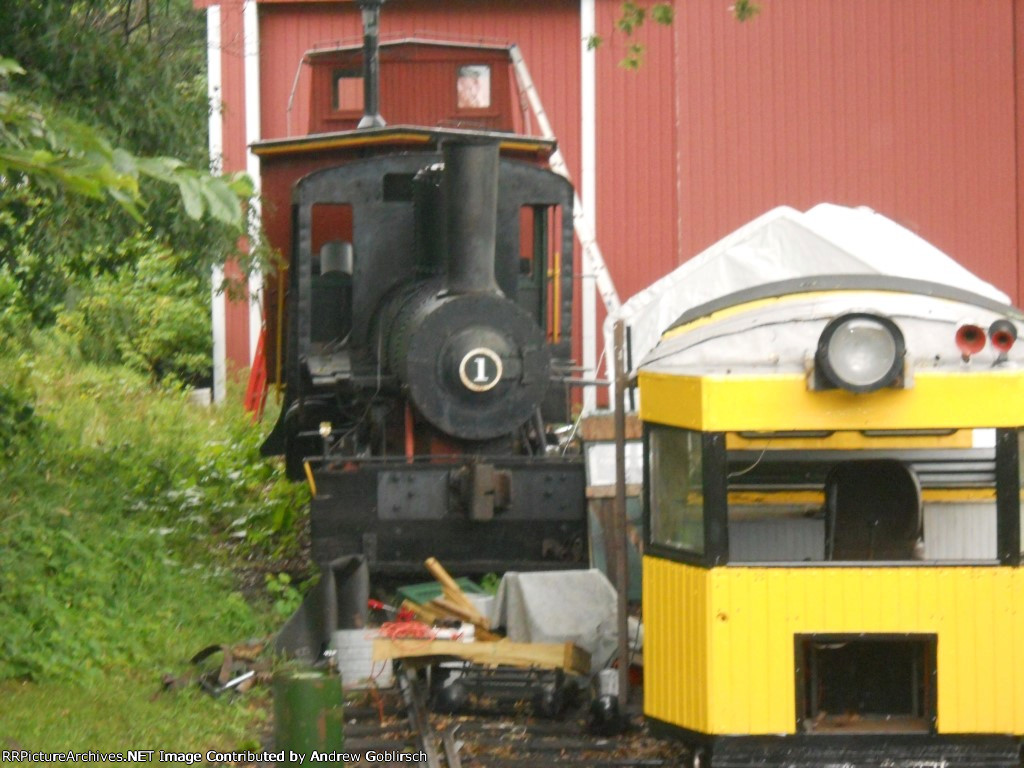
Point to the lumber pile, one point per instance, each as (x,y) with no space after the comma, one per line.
(487,647)
(495,653)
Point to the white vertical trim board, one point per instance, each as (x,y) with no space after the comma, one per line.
(588,192)
(251,32)
(218,304)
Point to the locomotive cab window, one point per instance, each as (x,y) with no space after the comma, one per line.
(332,269)
(539,289)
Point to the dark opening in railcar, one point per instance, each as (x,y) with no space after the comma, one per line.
(866,684)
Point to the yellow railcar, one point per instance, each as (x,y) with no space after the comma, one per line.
(832,572)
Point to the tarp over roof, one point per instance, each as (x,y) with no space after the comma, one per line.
(783,244)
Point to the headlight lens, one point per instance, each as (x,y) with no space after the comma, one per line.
(861,352)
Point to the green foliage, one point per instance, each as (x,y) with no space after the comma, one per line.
(286,596)
(17,407)
(744,10)
(490,583)
(104,94)
(123,511)
(15,323)
(147,314)
(59,153)
(632,16)
(118,712)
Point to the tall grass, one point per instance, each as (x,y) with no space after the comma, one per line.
(125,513)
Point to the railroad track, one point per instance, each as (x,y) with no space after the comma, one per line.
(398,721)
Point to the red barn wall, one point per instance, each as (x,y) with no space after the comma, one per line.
(906,106)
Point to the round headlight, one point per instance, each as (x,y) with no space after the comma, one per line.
(861,352)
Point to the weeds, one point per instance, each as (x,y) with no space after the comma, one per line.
(124,513)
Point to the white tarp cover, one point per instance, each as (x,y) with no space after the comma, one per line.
(785,244)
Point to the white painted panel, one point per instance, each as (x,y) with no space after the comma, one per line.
(960,531)
(779,540)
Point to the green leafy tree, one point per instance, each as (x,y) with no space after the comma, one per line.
(58,153)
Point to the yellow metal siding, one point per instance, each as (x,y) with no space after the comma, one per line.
(783,402)
(738,626)
(675,644)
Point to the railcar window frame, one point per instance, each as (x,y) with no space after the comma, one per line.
(714,545)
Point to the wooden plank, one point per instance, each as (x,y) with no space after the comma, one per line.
(601,427)
(454,594)
(548,655)
(608,491)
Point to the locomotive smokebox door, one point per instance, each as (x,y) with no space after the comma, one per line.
(480,369)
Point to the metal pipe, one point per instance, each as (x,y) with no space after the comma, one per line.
(619,535)
(371,64)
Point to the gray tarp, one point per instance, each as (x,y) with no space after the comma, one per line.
(559,606)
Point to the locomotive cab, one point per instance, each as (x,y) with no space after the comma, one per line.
(833,507)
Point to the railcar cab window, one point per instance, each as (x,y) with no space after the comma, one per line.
(677,488)
(893,496)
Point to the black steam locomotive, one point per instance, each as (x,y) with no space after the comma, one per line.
(429,313)
(425,359)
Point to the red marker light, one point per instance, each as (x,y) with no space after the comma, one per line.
(970,339)
(1002,334)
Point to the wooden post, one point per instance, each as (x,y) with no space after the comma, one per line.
(618,532)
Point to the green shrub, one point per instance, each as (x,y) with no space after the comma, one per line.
(15,320)
(17,408)
(124,515)
(150,315)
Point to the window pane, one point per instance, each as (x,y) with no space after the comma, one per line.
(473,87)
(348,90)
(677,499)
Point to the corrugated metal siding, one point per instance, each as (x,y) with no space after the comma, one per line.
(754,614)
(907,107)
(675,643)
(766,541)
(1018,74)
(636,156)
(719,644)
(960,531)
(546,31)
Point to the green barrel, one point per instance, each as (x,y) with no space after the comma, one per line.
(309,714)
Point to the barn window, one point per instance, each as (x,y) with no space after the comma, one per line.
(473,87)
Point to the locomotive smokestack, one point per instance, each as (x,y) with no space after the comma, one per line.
(371,64)
(471,194)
